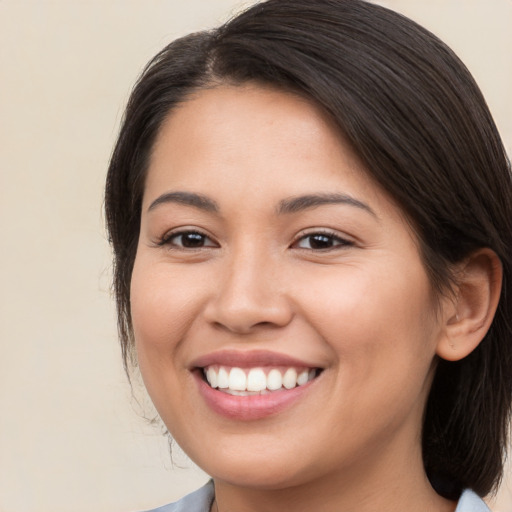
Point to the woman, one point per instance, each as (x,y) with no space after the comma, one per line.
(310,210)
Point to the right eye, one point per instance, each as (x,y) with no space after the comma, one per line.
(187,239)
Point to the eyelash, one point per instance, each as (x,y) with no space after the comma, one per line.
(333,240)
(167,239)
(337,242)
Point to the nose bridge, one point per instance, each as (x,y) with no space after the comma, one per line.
(250,291)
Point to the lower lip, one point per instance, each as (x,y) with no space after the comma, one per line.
(249,408)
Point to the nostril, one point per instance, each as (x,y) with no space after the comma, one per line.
(265,324)
(244,322)
(242,329)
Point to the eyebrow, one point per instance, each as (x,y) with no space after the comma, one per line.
(306,202)
(286,206)
(186,198)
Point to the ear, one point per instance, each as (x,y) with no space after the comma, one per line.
(469,314)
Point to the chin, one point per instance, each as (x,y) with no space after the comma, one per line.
(265,469)
(269,477)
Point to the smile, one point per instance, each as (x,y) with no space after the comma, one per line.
(256,381)
(253,385)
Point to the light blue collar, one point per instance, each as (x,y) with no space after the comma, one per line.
(471,502)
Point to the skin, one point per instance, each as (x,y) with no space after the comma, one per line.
(362,310)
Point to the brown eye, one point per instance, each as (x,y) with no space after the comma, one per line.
(321,241)
(188,240)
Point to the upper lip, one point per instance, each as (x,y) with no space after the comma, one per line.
(249,359)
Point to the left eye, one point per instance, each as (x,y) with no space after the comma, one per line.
(320,241)
(189,240)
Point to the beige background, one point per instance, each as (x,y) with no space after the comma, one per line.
(71,436)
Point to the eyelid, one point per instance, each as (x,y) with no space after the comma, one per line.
(169,235)
(344,241)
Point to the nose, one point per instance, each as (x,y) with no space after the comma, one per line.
(250,295)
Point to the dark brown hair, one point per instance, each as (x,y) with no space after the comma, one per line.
(414,115)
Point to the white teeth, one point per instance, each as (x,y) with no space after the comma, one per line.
(274,380)
(222,378)
(211,377)
(256,380)
(290,378)
(238,381)
(302,378)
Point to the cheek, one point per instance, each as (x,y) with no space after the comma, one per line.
(377,322)
(163,304)
(364,298)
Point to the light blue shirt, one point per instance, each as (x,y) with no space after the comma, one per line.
(202,499)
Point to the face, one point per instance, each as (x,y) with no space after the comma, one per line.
(284,323)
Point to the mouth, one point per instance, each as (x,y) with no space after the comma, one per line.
(238,381)
(253,385)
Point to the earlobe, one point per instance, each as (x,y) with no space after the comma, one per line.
(469,314)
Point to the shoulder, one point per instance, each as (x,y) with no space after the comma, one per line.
(471,502)
(198,501)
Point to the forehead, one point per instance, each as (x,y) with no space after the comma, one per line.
(254,142)
(227,116)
